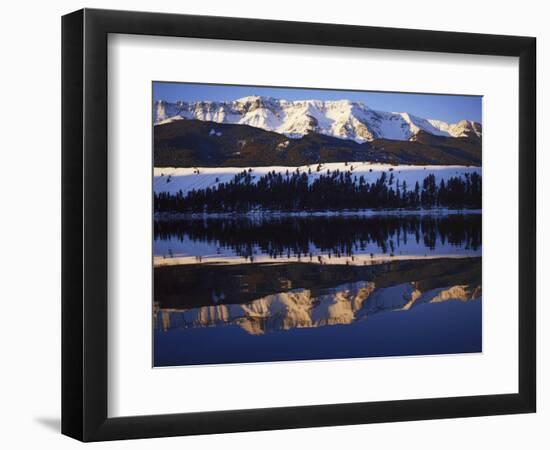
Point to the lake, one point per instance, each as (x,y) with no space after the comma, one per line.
(258,288)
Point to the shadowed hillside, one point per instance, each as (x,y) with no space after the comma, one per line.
(190,143)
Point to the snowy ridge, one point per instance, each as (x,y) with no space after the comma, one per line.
(175,179)
(342,118)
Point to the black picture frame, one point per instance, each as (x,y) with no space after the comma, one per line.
(84,224)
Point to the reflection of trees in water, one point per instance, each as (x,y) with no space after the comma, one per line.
(337,236)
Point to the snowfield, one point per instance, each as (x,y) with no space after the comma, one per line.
(174,179)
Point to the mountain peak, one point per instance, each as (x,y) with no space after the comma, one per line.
(251,98)
(344,118)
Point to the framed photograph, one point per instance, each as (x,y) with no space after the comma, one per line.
(274,225)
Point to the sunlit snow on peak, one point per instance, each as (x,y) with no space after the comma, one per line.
(342,118)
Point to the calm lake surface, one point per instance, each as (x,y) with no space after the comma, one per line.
(277,288)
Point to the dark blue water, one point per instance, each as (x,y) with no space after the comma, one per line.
(242,289)
(441,328)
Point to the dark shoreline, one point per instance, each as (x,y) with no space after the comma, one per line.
(345,213)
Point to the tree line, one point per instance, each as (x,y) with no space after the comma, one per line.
(337,190)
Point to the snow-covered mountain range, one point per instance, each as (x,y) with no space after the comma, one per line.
(342,118)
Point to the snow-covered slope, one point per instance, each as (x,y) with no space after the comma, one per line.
(459,129)
(343,118)
(185,179)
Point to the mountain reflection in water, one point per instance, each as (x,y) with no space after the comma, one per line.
(213,314)
(240,289)
(300,308)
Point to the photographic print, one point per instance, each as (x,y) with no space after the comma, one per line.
(306,224)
